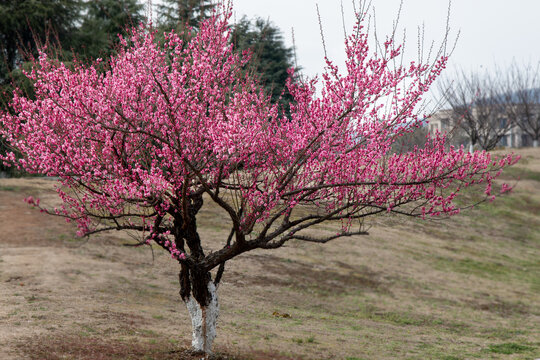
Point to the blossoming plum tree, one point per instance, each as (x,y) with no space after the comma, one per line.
(141,145)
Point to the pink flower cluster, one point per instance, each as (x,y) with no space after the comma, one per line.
(132,140)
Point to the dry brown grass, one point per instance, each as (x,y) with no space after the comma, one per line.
(463,288)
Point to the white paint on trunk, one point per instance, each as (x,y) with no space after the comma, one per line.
(471,148)
(535,143)
(204,320)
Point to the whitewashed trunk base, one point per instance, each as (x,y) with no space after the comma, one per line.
(535,143)
(471,148)
(203,320)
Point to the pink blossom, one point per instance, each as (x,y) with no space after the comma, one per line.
(165,122)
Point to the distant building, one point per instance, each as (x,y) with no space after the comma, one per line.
(447,121)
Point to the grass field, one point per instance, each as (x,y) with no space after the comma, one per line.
(462,288)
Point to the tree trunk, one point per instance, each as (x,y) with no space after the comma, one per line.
(535,143)
(203,320)
(200,296)
(471,147)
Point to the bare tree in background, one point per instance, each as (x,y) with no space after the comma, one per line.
(478,107)
(523,99)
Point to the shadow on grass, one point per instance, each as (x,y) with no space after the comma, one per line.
(305,277)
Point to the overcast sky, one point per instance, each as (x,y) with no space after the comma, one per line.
(490,31)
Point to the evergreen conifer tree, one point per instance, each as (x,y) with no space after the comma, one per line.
(175,14)
(25,22)
(102,21)
(271,57)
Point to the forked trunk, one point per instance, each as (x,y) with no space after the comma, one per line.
(203,320)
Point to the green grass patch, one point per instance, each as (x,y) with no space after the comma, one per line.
(399,318)
(509,348)
(28,190)
(69,238)
(471,266)
(502,333)
(515,173)
(87,330)
(518,209)
(405,318)
(523,203)
(10,188)
(499,268)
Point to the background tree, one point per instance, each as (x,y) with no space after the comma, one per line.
(86,29)
(271,59)
(101,23)
(24,26)
(142,146)
(478,107)
(523,100)
(24,23)
(175,14)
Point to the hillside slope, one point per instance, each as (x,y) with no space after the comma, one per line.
(462,288)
